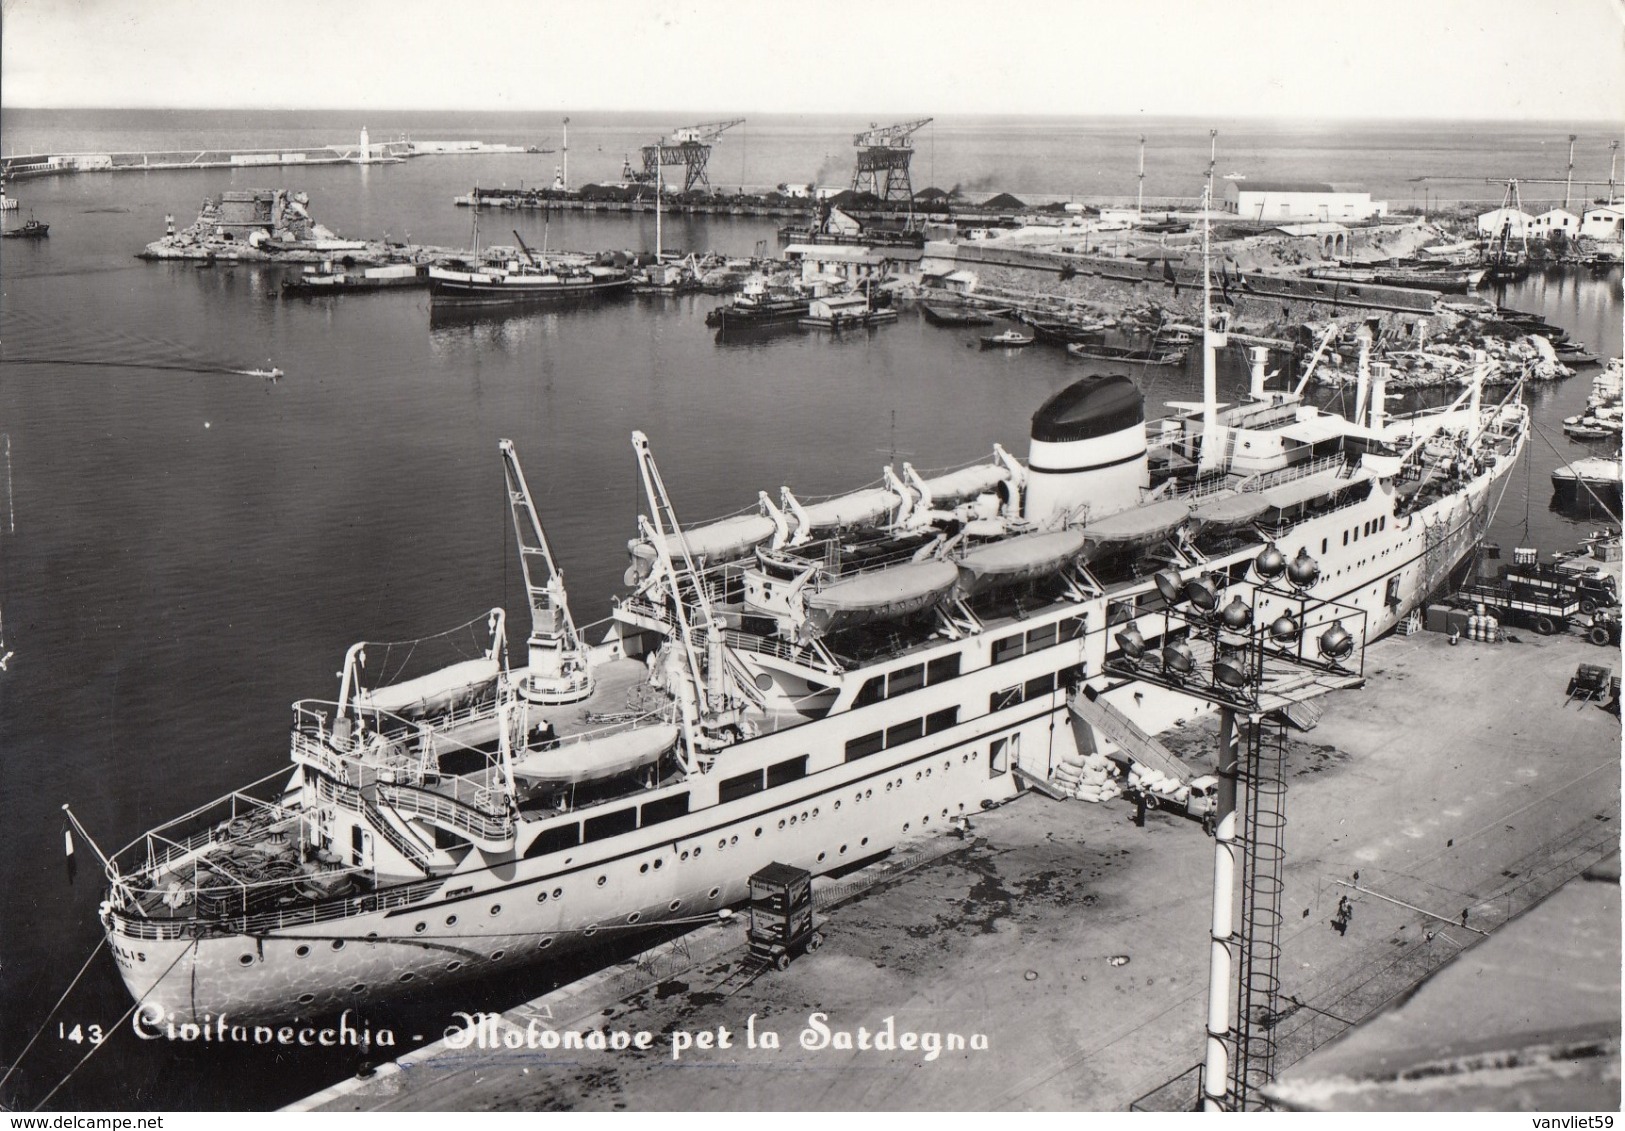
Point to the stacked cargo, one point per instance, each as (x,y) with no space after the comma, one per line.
(1087,777)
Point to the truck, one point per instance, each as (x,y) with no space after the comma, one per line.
(1547,611)
(1197,800)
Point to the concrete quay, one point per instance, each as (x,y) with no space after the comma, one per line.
(1454,788)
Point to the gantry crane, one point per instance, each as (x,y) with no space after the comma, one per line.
(886,150)
(688,146)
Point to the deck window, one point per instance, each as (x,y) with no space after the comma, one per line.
(666,809)
(1010,648)
(872,691)
(555,839)
(781,772)
(865,745)
(905,679)
(1000,700)
(904,732)
(941,720)
(1039,685)
(941,668)
(732,789)
(610,824)
(1043,637)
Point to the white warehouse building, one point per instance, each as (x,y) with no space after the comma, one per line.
(1274,201)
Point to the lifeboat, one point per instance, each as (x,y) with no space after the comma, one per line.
(726,540)
(858,508)
(885,594)
(590,759)
(440,691)
(966,483)
(1018,559)
(1237,509)
(1138,524)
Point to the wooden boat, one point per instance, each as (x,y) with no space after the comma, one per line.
(1010,339)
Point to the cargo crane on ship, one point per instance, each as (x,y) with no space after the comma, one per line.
(688,146)
(884,153)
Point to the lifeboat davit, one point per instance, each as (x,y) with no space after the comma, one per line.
(589,759)
(725,540)
(885,594)
(1022,558)
(454,686)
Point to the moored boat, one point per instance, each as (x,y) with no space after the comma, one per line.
(809,682)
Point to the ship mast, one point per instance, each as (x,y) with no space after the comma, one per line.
(1212,342)
(558,671)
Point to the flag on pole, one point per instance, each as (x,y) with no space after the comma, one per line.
(67,845)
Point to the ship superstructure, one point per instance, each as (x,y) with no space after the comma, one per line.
(809,682)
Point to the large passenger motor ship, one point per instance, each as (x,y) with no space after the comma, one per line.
(807,682)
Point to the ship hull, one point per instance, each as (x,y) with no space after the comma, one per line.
(871,776)
(494,291)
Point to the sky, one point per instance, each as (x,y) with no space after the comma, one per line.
(1486,59)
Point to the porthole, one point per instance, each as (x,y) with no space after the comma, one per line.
(683,855)
(947,764)
(925,820)
(602,880)
(451,920)
(338,944)
(407,977)
(541,897)
(868,793)
(843,850)
(859,797)
(723,843)
(888,787)
(306,999)
(643,868)
(359,988)
(545,943)
(803,814)
(781,823)
(658,862)
(837,805)
(918,775)
(945,813)
(634,917)
(496,909)
(247,960)
(815,811)
(713,893)
(821,856)
(301,951)
(758,830)
(863,842)
(906,825)
(964,757)
(454,966)
(496,955)
(928,771)
(733,840)
(696,850)
(591,931)
(557,892)
(674,905)
(419,928)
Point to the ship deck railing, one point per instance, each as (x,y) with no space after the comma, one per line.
(390,748)
(263,922)
(156,850)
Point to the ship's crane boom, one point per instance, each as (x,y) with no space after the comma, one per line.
(530,255)
(702,134)
(558,671)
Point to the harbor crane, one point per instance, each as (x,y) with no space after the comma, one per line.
(884,153)
(688,146)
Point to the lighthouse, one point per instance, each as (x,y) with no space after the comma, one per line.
(366,148)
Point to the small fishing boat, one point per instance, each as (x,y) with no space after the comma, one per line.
(1088,351)
(1010,339)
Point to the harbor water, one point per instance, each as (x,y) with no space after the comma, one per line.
(187,548)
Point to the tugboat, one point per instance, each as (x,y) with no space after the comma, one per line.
(32,230)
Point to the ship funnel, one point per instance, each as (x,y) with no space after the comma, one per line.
(1088,450)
